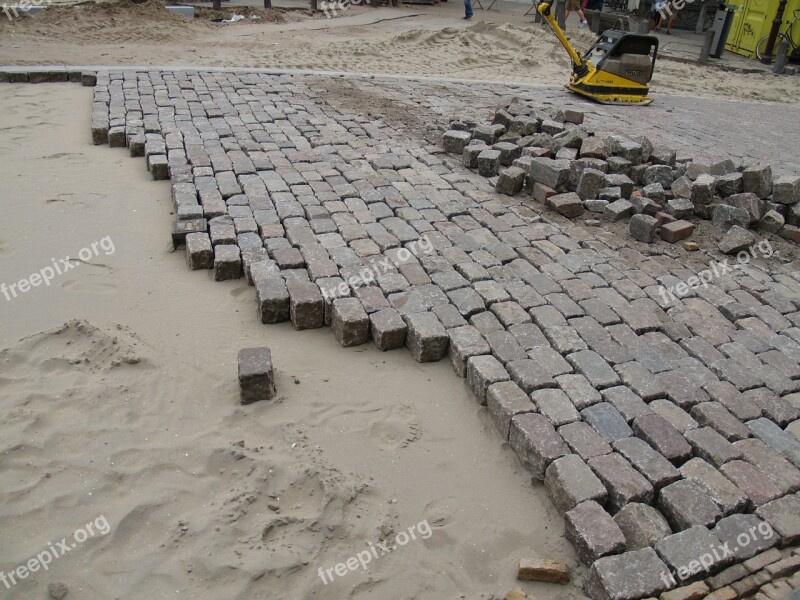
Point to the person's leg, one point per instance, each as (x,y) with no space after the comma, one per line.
(467,9)
(669,25)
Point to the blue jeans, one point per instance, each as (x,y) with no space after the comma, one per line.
(467,8)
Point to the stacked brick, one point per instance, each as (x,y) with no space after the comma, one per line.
(571,170)
(660,430)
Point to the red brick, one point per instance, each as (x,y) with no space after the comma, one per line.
(676,231)
(664,217)
(542,192)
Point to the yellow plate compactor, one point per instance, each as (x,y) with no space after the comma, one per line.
(625,63)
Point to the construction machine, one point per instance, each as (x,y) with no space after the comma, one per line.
(615,70)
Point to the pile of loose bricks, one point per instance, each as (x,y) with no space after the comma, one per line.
(570,170)
(661,431)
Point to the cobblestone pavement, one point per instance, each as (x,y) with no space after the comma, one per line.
(665,429)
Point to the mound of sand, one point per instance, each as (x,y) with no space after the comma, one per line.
(436,43)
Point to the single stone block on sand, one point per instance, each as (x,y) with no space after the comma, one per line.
(350,322)
(256,377)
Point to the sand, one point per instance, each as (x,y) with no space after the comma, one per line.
(412,40)
(118,399)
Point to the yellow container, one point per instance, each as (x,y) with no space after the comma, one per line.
(753,20)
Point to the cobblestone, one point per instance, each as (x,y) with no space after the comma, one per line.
(593,532)
(569,482)
(329,193)
(685,504)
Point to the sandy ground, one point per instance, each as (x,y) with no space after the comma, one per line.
(413,40)
(118,399)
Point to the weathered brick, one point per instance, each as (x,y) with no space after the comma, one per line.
(199,253)
(580,391)
(676,231)
(538,569)
(693,591)
(640,380)
(628,404)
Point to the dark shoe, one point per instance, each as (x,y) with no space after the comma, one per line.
(468,18)
(668,33)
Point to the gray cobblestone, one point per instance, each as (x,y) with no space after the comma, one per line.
(719,488)
(686,504)
(569,482)
(504,400)
(628,576)
(536,442)
(655,468)
(642,525)
(593,532)
(623,482)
